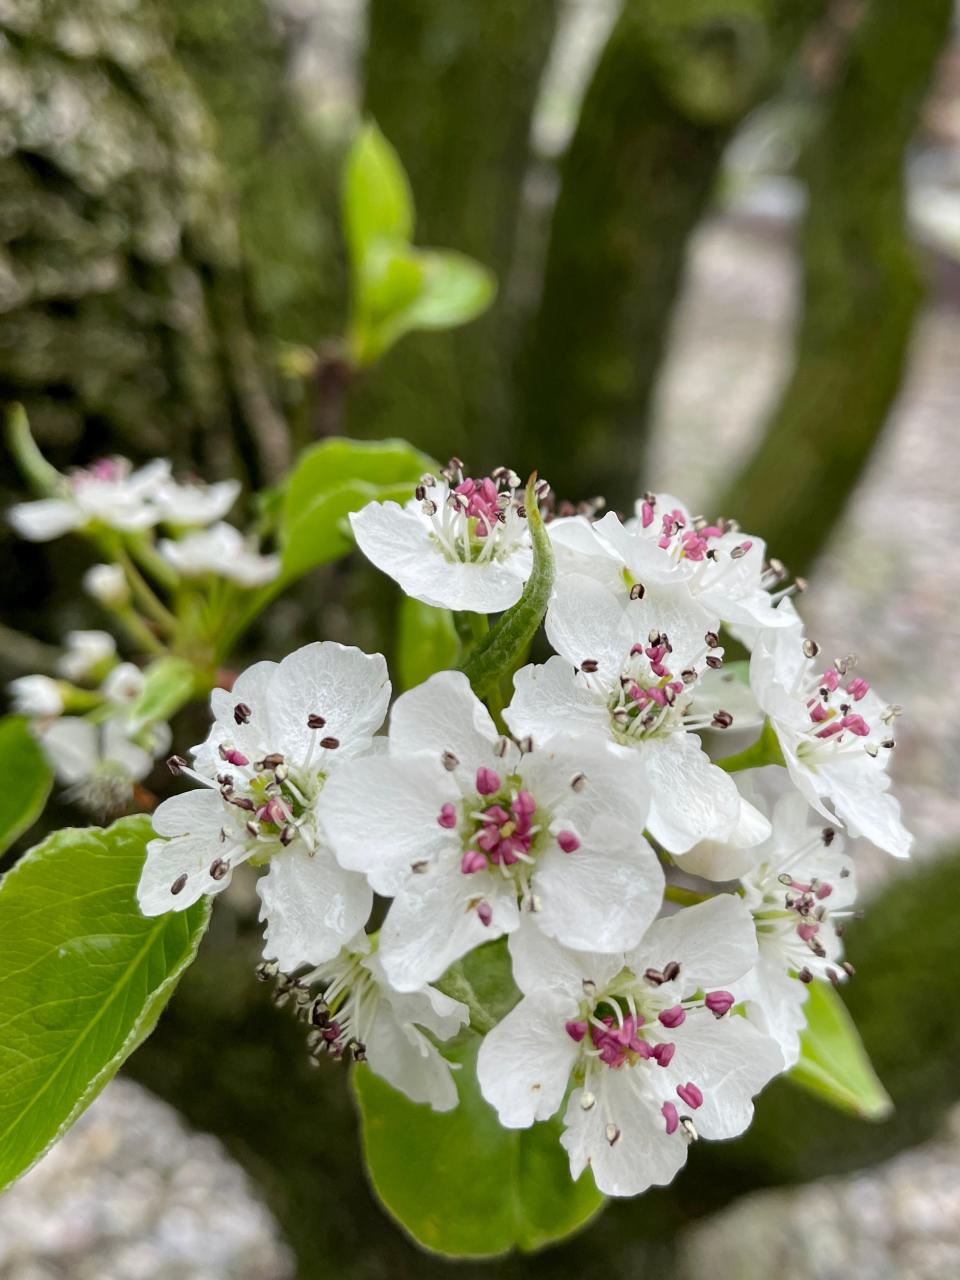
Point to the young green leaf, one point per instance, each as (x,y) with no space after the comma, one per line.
(29,777)
(377,200)
(459,1183)
(331,480)
(426,642)
(498,653)
(83,978)
(168,685)
(833,1062)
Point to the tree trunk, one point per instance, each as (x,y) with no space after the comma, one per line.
(670,87)
(862,289)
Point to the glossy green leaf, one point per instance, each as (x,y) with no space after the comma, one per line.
(833,1062)
(426,642)
(483,981)
(29,778)
(377,200)
(83,978)
(458,1182)
(331,480)
(498,653)
(168,685)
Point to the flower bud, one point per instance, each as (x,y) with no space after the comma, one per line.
(107,584)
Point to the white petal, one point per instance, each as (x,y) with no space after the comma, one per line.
(406,1059)
(730,1061)
(774,1002)
(72,746)
(587,620)
(714,943)
(167,861)
(613,784)
(727,859)
(444,714)
(603,896)
(118,749)
(858,792)
(349,688)
(36,696)
(691,799)
(311,907)
(439,1014)
(551,698)
(541,962)
(46,519)
(432,922)
(525,1061)
(720,690)
(380,816)
(643,1155)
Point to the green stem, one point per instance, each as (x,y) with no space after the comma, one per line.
(150,602)
(44,478)
(766,750)
(154,563)
(685,897)
(137,630)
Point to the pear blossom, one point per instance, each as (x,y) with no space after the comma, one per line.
(464,829)
(85,653)
(644,1038)
(107,584)
(628,671)
(459,543)
(724,570)
(800,888)
(109,492)
(835,733)
(99,761)
(277,738)
(221,550)
(36,696)
(357,1011)
(123,685)
(193,502)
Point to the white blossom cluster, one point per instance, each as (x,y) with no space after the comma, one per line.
(112,494)
(665,909)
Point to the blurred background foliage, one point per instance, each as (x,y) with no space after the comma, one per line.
(173,281)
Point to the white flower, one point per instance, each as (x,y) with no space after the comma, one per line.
(834,732)
(464,830)
(724,570)
(107,584)
(654,1061)
(636,666)
(193,502)
(222,550)
(85,652)
(276,739)
(36,696)
(358,1010)
(801,885)
(109,492)
(123,685)
(458,545)
(98,761)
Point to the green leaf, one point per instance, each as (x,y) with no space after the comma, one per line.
(168,685)
(29,779)
(833,1063)
(426,642)
(483,981)
(766,750)
(498,653)
(331,480)
(83,978)
(377,200)
(458,1182)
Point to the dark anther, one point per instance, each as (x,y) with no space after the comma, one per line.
(589,666)
(712,640)
(670,971)
(219,868)
(315,722)
(178,884)
(330,744)
(722,720)
(713,662)
(176,764)
(637,591)
(241,713)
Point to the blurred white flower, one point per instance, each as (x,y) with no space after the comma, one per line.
(193,502)
(99,762)
(36,696)
(220,550)
(109,492)
(85,652)
(107,584)
(458,544)
(123,685)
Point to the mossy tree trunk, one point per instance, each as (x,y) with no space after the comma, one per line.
(862,287)
(671,85)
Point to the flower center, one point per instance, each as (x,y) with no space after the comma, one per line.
(836,722)
(477,520)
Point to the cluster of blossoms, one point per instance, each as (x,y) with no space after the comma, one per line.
(85,715)
(647,1023)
